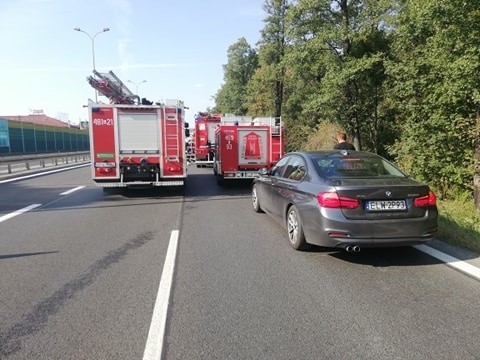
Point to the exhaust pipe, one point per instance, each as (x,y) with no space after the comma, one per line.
(352,248)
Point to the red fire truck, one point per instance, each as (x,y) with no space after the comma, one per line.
(243,145)
(204,139)
(134,143)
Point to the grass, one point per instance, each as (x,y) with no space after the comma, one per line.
(459,223)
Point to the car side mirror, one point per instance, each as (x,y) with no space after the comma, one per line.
(263,171)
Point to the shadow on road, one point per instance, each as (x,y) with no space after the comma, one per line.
(387,257)
(11,256)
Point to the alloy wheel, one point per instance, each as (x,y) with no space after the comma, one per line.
(292,226)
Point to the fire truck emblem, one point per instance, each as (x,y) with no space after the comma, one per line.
(252,146)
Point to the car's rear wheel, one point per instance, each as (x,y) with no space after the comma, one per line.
(296,236)
(255,202)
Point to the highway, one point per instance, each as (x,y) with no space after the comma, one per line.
(196,274)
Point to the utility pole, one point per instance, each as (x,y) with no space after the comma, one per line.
(92,39)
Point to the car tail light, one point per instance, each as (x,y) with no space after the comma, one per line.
(427,200)
(332,200)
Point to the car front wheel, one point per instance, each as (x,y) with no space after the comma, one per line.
(296,236)
(255,202)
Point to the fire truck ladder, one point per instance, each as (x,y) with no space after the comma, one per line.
(276,127)
(275,124)
(109,85)
(170,133)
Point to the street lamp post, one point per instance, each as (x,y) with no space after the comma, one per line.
(92,39)
(137,85)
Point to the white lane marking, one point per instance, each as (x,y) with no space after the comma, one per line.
(72,190)
(19,212)
(451,261)
(42,173)
(156,334)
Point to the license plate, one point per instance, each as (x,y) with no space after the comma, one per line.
(386,205)
(247,174)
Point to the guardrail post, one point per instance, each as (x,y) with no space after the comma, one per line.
(27,165)
(9,167)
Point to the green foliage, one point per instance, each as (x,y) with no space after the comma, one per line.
(338,56)
(295,136)
(434,151)
(266,89)
(242,62)
(435,89)
(324,137)
(260,97)
(400,76)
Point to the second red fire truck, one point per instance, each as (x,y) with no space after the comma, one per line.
(244,145)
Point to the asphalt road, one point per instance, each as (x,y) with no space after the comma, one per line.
(80,277)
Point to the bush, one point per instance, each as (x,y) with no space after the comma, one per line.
(324,137)
(459,223)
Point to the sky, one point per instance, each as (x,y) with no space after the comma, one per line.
(178,46)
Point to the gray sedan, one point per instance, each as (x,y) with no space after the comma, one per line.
(345,199)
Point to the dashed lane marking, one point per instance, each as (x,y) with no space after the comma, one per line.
(72,190)
(18,212)
(156,334)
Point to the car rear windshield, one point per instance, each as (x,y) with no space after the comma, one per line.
(355,166)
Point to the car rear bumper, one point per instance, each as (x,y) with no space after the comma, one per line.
(374,243)
(333,230)
(343,243)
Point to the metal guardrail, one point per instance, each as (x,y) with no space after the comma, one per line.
(15,165)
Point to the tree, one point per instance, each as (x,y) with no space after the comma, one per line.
(242,62)
(338,53)
(270,76)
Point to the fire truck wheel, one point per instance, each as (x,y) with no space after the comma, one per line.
(255,202)
(296,236)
